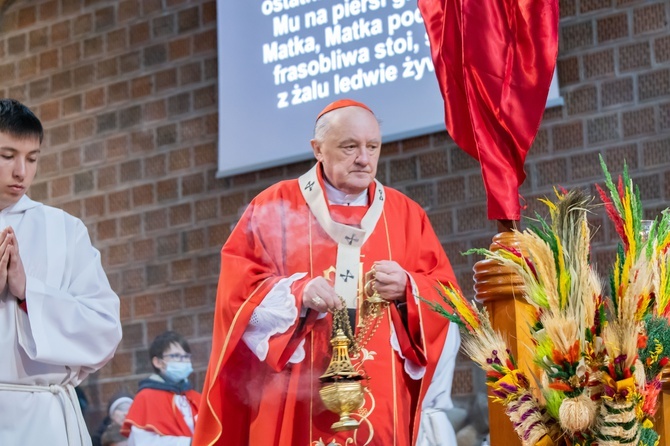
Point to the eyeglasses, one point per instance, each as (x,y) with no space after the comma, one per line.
(178,357)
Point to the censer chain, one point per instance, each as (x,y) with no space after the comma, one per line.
(371,321)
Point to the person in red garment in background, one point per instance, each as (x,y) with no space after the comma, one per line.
(165,409)
(302,249)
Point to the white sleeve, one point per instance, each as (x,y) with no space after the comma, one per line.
(140,437)
(435,428)
(275,314)
(77,324)
(438,395)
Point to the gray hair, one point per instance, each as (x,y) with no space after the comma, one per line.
(322,125)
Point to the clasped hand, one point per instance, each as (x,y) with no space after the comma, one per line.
(12,274)
(390,281)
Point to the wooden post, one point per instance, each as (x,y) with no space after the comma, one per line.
(499,289)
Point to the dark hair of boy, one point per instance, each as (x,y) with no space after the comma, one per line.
(17,120)
(163,342)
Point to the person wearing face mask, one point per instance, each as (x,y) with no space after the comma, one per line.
(166,406)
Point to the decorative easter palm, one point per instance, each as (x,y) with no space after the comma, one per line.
(639,331)
(600,358)
(630,281)
(560,283)
(509,385)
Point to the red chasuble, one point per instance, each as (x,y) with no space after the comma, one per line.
(154,410)
(276,402)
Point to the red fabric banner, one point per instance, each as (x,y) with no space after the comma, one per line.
(494,61)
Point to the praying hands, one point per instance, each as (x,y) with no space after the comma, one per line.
(12,274)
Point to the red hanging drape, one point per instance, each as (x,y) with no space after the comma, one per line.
(494,61)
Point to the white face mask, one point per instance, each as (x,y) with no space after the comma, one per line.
(177,371)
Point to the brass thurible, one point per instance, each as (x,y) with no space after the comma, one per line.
(341,390)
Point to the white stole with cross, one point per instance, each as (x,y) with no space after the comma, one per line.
(349,239)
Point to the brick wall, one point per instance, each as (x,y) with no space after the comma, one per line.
(614,69)
(127,92)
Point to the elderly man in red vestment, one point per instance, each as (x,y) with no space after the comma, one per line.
(303,249)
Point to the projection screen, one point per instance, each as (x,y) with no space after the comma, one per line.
(281,61)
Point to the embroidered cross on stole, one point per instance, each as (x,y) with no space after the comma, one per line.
(349,239)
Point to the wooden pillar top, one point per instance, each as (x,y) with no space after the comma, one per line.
(494,281)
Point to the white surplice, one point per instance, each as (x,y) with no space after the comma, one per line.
(70,330)
(435,428)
